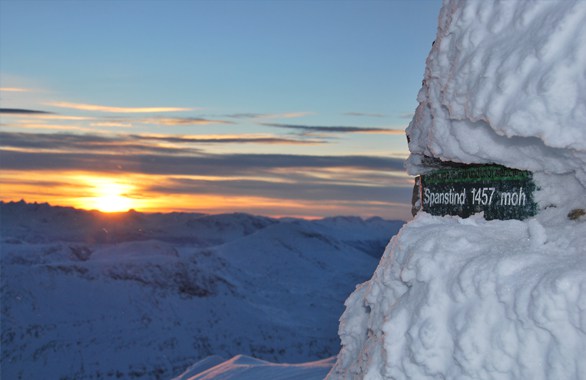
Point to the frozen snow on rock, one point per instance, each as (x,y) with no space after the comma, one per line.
(505,83)
(468,298)
(457,298)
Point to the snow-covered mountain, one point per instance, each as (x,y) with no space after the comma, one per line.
(87,295)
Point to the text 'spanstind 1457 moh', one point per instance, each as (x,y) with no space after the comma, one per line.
(464,190)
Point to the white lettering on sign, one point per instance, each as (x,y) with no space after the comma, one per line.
(513,198)
(446,198)
(482,196)
(485,196)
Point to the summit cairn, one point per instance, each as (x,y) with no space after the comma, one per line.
(488,281)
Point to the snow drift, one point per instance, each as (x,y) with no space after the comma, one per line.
(469,298)
(243,367)
(453,298)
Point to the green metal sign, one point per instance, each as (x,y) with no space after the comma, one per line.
(501,192)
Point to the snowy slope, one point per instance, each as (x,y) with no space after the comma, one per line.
(246,368)
(457,298)
(87,295)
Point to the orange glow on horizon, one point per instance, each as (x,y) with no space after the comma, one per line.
(146,193)
(110,196)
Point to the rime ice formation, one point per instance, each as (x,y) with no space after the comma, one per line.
(505,83)
(468,298)
(457,298)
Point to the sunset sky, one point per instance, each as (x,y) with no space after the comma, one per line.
(279,108)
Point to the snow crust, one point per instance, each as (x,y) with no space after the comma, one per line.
(505,83)
(468,298)
(87,295)
(454,298)
(243,367)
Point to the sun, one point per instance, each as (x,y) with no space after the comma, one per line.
(110,195)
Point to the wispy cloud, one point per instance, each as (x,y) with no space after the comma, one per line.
(21,111)
(111,124)
(15,89)
(53,116)
(286,115)
(364,114)
(303,190)
(173,167)
(36,182)
(39,114)
(336,129)
(112,109)
(174,121)
(48,127)
(237,165)
(263,183)
(67,143)
(108,143)
(221,139)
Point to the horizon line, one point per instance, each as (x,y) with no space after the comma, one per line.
(22,201)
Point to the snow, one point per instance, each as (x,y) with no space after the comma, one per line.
(469,298)
(243,367)
(505,83)
(451,298)
(455,298)
(87,295)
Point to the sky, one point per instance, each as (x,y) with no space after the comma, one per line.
(278,108)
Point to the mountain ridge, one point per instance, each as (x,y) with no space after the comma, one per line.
(87,295)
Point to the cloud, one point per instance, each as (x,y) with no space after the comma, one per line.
(71,145)
(20,111)
(172,168)
(65,143)
(364,114)
(344,176)
(37,114)
(68,142)
(407,115)
(183,121)
(100,108)
(111,124)
(336,129)
(232,165)
(273,183)
(247,115)
(52,116)
(38,182)
(286,115)
(51,127)
(305,190)
(14,89)
(233,139)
